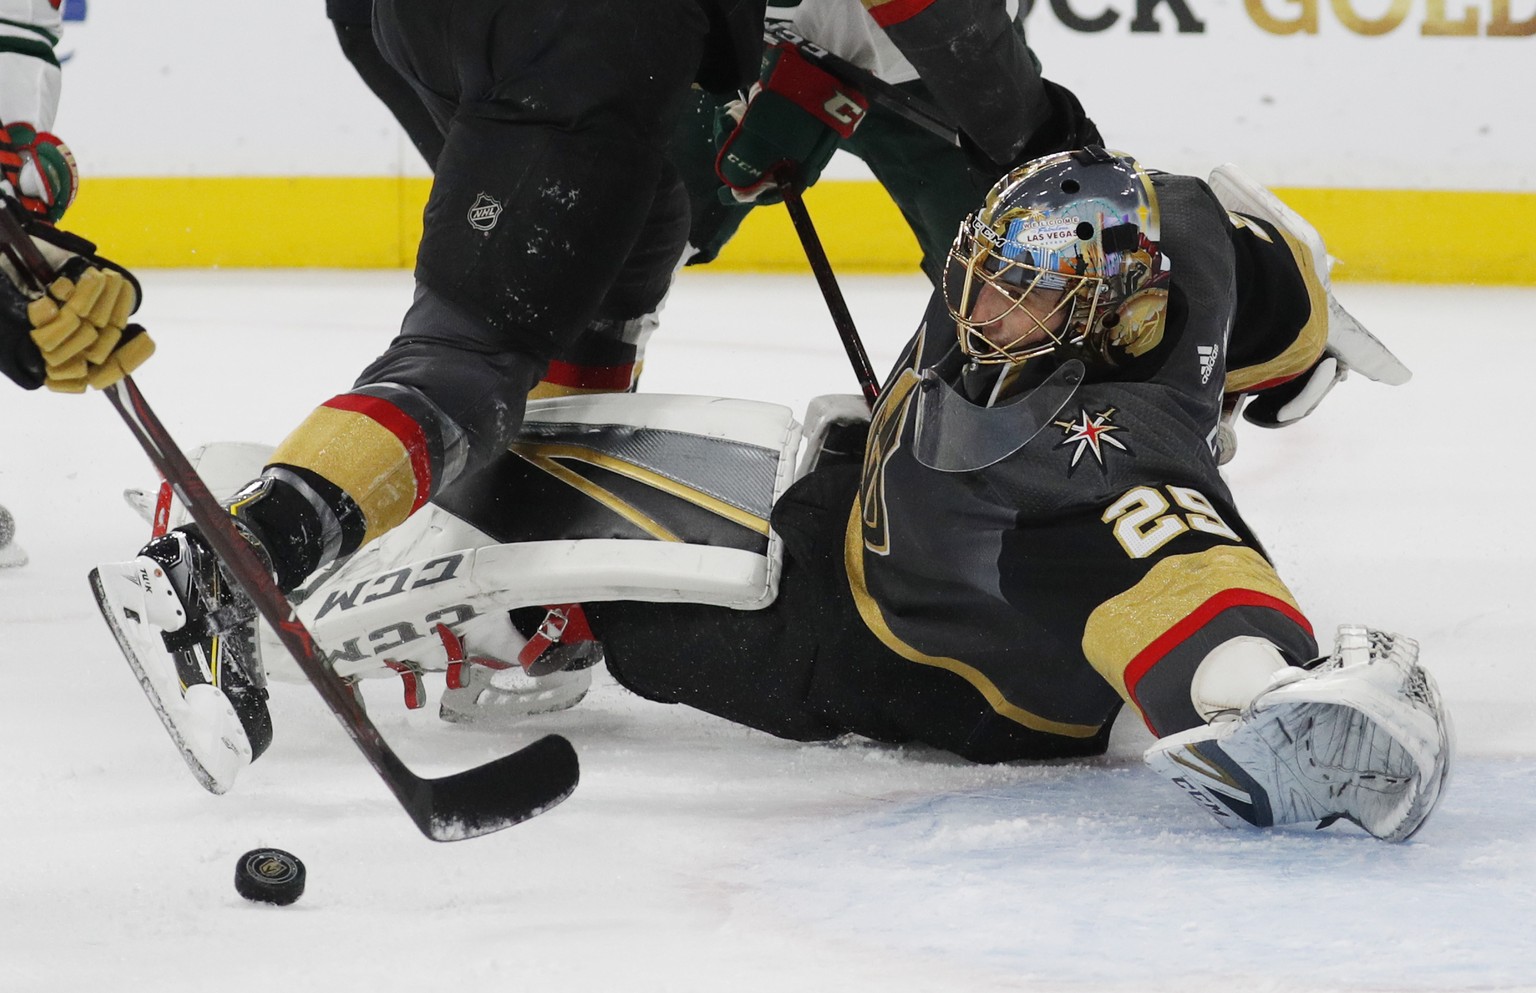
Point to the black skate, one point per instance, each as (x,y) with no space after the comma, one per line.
(189,634)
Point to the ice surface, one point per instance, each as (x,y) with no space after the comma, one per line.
(697,856)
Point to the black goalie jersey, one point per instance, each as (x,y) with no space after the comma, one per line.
(1001,596)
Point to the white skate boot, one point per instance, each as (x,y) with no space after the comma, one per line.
(1361,736)
(189,634)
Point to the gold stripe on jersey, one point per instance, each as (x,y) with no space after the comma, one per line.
(869,611)
(545,456)
(886,426)
(1122,628)
(1299,356)
(367,461)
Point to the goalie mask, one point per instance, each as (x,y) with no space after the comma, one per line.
(1062,256)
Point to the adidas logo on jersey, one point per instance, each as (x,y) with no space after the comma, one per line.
(1208,355)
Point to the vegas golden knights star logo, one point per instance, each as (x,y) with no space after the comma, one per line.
(1091,434)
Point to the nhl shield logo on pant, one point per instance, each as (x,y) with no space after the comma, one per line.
(484,212)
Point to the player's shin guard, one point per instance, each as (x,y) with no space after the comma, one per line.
(1361,736)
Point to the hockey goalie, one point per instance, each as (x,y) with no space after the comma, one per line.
(1029,534)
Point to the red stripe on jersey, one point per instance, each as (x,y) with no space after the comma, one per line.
(1193,622)
(590,377)
(896,11)
(404,427)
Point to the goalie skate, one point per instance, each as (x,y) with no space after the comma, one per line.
(1363,736)
(189,638)
(1350,345)
(496,699)
(553,672)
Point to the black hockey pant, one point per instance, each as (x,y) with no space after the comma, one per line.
(553,206)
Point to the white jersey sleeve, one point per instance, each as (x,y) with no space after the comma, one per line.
(29,69)
(846,29)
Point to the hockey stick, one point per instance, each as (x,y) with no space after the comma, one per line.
(822,268)
(462,805)
(887,95)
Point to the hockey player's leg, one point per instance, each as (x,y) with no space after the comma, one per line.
(358,466)
(607,356)
(1361,734)
(354,33)
(1347,344)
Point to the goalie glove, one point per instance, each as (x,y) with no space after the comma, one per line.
(38,170)
(74,332)
(791,122)
(1363,736)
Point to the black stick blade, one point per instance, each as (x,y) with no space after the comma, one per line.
(498,794)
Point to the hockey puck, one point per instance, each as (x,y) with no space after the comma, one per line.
(269,875)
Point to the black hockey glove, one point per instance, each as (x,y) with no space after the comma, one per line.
(74,332)
(793,118)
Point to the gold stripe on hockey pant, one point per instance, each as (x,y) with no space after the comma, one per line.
(363,458)
(853,559)
(1307,347)
(1127,635)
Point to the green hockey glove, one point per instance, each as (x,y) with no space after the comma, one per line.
(792,120)
(39,170)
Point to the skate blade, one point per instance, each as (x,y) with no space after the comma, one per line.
(202,724)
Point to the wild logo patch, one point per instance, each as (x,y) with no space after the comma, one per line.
(1095,433)
(484,212)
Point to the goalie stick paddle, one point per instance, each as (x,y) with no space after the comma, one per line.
(816,255)
(461,805)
